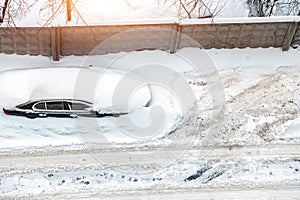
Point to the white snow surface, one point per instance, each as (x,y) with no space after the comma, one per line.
(26,77)
(261,88)
(216,173)
(19,86)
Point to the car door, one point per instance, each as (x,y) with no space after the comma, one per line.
(81,108)
(39,109)
(57,109)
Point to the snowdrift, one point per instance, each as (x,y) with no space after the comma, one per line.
(99,87)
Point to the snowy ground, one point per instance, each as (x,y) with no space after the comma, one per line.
(253,146)
(241,140)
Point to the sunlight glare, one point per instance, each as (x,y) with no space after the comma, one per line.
(112,8)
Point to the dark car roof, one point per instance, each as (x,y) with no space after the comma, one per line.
(31,102)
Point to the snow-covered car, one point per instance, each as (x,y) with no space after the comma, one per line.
(57,108)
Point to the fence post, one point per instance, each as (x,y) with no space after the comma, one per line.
(175,38)
(289,36)
(55,43)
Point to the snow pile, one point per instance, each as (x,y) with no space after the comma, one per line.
(106,88)
(245,73)
(19,86)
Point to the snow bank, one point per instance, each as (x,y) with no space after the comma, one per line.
(261,58)
(222,58)
(19,86)
(28,77)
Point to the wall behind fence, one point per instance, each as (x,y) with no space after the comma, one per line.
(64,41)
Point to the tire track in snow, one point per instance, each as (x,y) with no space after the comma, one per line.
(63,160)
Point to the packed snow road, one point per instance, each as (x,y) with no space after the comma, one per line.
(184,194)
(60,159)
(78,174)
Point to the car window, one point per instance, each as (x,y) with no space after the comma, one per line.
(40,106)
(78,106)
(55,105)
(66,106)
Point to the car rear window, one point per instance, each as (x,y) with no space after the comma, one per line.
(78,106)
(55,105)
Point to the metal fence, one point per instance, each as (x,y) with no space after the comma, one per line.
(81,40)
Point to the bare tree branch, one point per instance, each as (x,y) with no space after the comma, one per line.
(262,8)
(196,8)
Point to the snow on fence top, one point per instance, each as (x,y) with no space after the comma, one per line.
(153,34)
(237,20)
(241,20)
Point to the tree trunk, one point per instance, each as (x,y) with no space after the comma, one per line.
(4,11)
(68,5)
